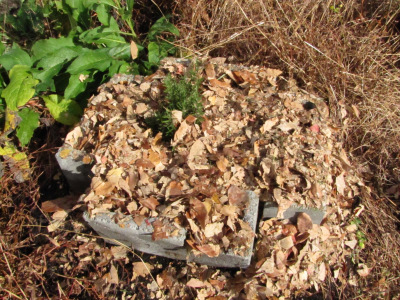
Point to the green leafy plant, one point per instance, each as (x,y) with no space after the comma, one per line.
(361,238)
(95,40)
(336,8)
(182,94)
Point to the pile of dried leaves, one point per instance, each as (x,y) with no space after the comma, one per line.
(260,133)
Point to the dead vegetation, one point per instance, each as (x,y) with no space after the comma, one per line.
(346,54)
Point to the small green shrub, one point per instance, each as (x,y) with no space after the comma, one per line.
(182,94)
(95,40)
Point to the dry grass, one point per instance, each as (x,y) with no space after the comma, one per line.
(350,57)
(347,54)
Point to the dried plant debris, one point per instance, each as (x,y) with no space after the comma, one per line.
(256,134)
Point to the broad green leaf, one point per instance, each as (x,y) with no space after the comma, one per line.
(129,4)
(95,59)
(68,11)
(80,13)
(118,66)
(126,11)
(166,49)
(77,84)
(121,52)
(2,48)
(103,14)
(105,17)
(14,57)
(28,124)
(154,53)
(88,3)
(21,87)
(49,66)
(102,35)
(160,26)
(76,4)
(43,48)
(64,111)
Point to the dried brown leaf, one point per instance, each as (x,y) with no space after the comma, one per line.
(195,283)
(210,71)
(159,231)
(150,203)
(220,84)
(213,229)
(210,250)
(141,269)
(340,183)
(198,211)
(304,222)
(174,189)
(134,50)
(244,77)
(222,163)
(59,204)
(237,196)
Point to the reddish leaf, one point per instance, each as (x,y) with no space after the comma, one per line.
(63,203)
(218,83)
(210,72)
(144,163)
(198,211)
(245,76)
(158,233)
(150,203)
(237,196)
(304,222)
(314,128)
(174,189)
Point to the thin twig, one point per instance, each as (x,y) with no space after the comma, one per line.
(11,272)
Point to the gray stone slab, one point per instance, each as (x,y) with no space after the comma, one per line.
(77,173)
(140,238)
(271,211)
(230,259)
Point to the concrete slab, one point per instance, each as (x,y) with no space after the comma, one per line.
(140,238)
(77,173)
(230,259)
(271,211)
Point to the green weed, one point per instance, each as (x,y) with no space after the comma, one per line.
(95,39)
(182,94)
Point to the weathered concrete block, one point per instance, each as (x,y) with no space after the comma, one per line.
(271,211)
(140,238)
(230,259)
(77,173)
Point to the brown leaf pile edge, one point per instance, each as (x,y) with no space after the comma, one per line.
(259,132)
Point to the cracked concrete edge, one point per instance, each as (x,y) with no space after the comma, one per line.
(271,211)
(230,259)
(77,173)
(129,232)
(139,238)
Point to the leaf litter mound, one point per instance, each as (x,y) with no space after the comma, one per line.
(259,132)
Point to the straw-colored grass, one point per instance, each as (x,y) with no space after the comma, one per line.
(347,52)
(344,51)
